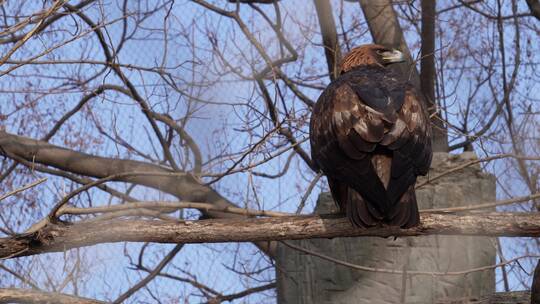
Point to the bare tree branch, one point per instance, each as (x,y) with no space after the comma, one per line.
(25,187)
(238,295)
(427,73)
(150,276)
(133,91)
(535,286)
(169,207)
(60,237)
(185,186)
(13,295)
(55,7)
(327,24)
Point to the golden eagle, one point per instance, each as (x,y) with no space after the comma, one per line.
(370,134)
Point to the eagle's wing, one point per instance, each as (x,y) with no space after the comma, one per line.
(368,114)
(411,146)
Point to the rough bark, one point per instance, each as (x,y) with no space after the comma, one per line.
(427,73)
(535,286)
(427,61)
(329,35)
(61,237)
(13,295)
(186,186)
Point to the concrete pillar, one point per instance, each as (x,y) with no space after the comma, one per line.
(306,279)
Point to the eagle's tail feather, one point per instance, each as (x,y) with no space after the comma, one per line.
(362,214)
(405,212)
(358,211)
(339,193)
(353,205)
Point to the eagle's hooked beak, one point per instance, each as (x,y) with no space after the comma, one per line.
(393,56)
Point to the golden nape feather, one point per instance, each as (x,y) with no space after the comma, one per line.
(370,134)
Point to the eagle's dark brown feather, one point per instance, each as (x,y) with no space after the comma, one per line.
(371,136)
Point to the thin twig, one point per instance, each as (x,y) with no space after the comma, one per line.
(28,35)
(151,276)
(308,192)
(25,187)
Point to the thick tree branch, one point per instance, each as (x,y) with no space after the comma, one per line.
(427,73)
(427,61)
(535,286)
(168,206)
(61,237)
(13,295)
(329,36)
(187,186)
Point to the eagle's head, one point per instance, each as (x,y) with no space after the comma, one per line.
(370,54)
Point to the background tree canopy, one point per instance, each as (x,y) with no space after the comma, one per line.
(114,112)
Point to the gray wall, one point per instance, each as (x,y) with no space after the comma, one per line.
(307,279)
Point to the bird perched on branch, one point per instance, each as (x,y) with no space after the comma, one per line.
(370,134)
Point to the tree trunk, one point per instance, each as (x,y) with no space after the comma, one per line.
(329,36)
(427,75)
